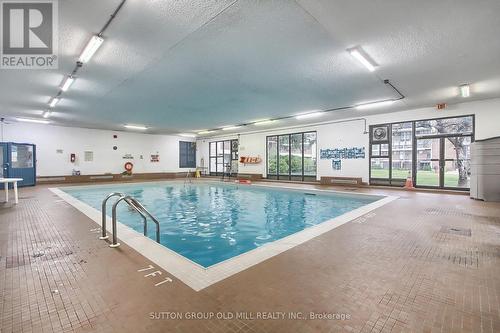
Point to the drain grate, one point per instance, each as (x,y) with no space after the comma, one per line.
(456,231)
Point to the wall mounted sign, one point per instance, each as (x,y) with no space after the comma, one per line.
(342,153)
(155,158)
(337,164)
(250,160)
(339,154)
(128,157)
(88,156)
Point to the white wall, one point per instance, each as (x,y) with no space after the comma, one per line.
(350,134)
(49,139)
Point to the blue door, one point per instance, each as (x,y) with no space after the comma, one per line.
(4,166)
(19,161)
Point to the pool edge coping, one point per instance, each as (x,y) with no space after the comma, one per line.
(198,277)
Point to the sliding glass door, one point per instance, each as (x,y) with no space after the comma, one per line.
(292,156)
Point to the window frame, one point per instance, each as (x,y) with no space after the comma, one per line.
(400,182)
(289,176)
(214,155)
(189,147)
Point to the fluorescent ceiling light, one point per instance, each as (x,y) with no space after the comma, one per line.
(264,122)
(309,115)
(363,58)
(230,128)
(67,83)
(93,45)
(374,105)
(38,121)
(465,90)
(46,114)
(54,101)
(205,132)
(188,135)
(136,127)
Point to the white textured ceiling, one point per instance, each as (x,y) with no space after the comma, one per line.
(180,66)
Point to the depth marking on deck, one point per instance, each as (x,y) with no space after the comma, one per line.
(154,274)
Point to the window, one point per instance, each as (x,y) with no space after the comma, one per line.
(223,157)
(187,154)
(22,156)
(292,156)
(433,152)
(402,148)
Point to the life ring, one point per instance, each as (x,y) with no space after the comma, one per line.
(129,166)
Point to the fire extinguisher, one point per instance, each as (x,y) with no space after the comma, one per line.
(72,158)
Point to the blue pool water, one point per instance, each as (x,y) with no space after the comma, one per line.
(211,222)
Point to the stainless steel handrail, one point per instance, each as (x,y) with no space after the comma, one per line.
(137,204)
(103,211)
(138,207)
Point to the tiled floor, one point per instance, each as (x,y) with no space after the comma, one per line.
(423,263)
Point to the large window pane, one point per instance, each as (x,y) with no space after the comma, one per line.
(213,146)
(428,157)
(227,153)
(22,156)
(220,148)
(457,164)
(458,125)
(402,150)
(380,168)
(187,154)
(272,155)
(296,155)
(310,154)
(284,162)
(213,165)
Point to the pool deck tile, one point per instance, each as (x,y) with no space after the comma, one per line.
(405,267)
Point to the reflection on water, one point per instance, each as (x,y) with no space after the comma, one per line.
(209,223)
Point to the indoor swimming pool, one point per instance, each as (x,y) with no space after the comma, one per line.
(210,222)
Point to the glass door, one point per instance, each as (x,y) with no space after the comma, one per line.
(22,163)
(457,162)
(429,166)
(3,160)
(443,162)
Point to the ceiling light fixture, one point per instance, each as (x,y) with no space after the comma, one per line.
(46,114)
(205,132)
(230,128)
(136,127)
(54,101)
(309,115)
(92,46)
(374,105)
(264,122)
(28,120)
(188,135)
(465,90)
(363,57)
(67,83)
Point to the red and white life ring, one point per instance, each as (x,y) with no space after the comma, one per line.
(129,166)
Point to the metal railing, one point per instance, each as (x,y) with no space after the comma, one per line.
(134,204)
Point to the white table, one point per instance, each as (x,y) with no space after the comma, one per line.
(6,182)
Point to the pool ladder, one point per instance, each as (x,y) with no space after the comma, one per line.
(134,204)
